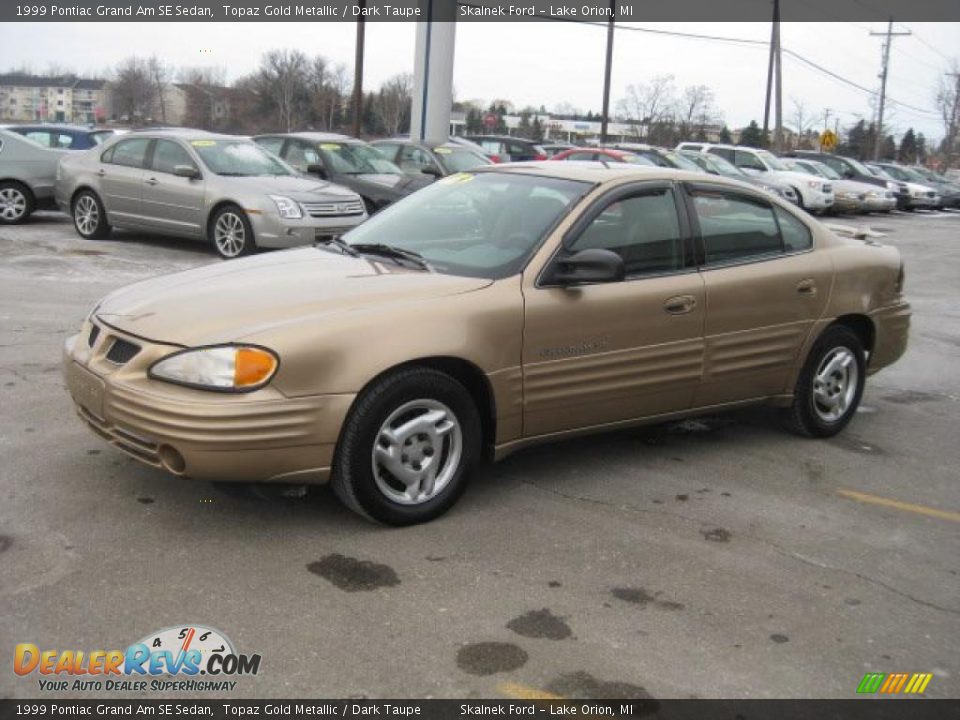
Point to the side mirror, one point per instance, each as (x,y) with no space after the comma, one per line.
(586,267)
(432,171)
(848,173)
(318,170)
(186,171)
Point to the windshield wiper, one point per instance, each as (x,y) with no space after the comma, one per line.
(392,251)
(232,174)
(337,242)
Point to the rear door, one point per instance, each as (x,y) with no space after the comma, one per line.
(765,287)
(610,352)
(121,174)
(172,204)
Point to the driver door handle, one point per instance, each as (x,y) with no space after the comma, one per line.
(151,181)
(680,304)
(807,287)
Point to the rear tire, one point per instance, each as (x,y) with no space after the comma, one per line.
(830,385)
(89,216)
(230,233)
(16,202)
(407,448)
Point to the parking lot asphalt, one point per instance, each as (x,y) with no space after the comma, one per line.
(721,557)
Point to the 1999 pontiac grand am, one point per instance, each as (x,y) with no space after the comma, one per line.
(493,309)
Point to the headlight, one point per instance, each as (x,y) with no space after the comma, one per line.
(287,208)
(231,368)
(813,184)
(892,186)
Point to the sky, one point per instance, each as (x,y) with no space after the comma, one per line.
(548,63)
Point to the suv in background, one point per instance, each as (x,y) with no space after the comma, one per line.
(62,137)
(851,169)
(814,193)
(503,148)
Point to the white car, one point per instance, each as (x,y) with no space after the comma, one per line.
(921,196)
(814,193)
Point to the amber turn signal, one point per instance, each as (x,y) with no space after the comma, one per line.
(252,367)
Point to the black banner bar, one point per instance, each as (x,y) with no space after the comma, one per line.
(857,709)
(471,10)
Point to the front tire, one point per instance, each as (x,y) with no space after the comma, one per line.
(230,233)
(89,216)
(407,448)
(16,202)
(830,385)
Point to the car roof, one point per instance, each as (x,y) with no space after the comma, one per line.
(425,143)
(594,172)
(509,138)
(182,133)
(316,136)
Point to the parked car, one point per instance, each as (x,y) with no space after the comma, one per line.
(430,158)
(716,165)
(661,157)
(558,298)
(27,173)
(193,184)
(814,192)
(603,155)
(948,190)
(922,196)
(852,169)
(63,137)
(848,195)
(552,149)
(346,161)
(502,148)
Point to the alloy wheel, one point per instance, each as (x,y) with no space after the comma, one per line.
(230,235)
(835,384)
(86,215)
(13,204)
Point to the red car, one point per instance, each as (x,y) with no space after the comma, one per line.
(602,155)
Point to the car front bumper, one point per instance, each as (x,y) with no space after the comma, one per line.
(272,231)
(261,436)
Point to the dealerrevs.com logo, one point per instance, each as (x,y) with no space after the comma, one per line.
(185,657)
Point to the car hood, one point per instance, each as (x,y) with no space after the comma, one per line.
(296,187)
(236,299)
(917,187)
(794,176)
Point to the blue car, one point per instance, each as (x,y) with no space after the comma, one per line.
(62,137)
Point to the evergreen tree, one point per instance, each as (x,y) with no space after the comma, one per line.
(725,136)
(752,135)
(908,148)
(888,148)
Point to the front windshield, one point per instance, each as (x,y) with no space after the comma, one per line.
(725,167)
(859,167)
(486,224)
(356,159)
(896,173)
(679,161)
(240,158)
(771,160)
(914,175)
(456,160)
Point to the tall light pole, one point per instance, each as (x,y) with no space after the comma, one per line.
(890,34)
(606,73)
(358,72)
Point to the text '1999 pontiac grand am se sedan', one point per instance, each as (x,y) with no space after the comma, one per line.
(493,309)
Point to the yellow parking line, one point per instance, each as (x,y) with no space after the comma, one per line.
(899,505)
(525,692)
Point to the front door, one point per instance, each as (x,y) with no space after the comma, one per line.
(172,204)
(603,353)
(764,290)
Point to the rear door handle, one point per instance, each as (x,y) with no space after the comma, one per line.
(101,172)
(151,181)
(807,287)
(680,304)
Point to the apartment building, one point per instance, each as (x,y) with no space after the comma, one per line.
(38,98)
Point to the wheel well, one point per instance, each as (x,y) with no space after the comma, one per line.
(862,326)
(472,378)
(22,184)
(80,190)
(214,210)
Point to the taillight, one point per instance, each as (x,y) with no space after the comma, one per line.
(540,157)
(494,158)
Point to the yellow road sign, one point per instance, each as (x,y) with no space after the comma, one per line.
(828,139)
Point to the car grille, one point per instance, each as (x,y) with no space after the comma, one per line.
(141,448)
(327,209)
(931,194)
(94,334)
(904,190)
(122,352)
(827,187)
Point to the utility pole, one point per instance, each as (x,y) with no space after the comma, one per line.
(778,132)
(774,35)
(826,118)
(606,73)
(953,123)
(358,73)
(890,34)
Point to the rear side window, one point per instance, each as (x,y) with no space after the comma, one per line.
(748,160)
(582,156)
(642,229)
(389,150)
(735,228)
(271,144)
(796,235)
(725,153)
(129,153)
(167,155)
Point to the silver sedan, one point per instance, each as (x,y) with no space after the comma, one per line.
(193,184)
(26,177)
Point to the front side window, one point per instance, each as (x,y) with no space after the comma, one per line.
(749,160)
(272,144)
(238,158)
(129,153)
(796,235)
(735,228)
(478,225)
(414,159)
(642,229)
(726,153)
(301,155)
(168,154)
(584,156)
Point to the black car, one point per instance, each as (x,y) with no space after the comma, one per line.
(346,161)
(850,169)
(503,148)
(62,137)
(434,159)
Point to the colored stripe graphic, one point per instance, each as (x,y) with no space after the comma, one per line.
(871,682)
(894,683)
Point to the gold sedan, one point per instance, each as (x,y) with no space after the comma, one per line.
(497,308)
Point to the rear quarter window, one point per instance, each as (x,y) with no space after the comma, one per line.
(735,228)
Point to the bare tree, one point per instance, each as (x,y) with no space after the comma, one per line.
(283,78)
(134,91)
(802,119)
(695,109)
(340,82)
(648,104)
(948,105)
(160,75)
(393,102)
